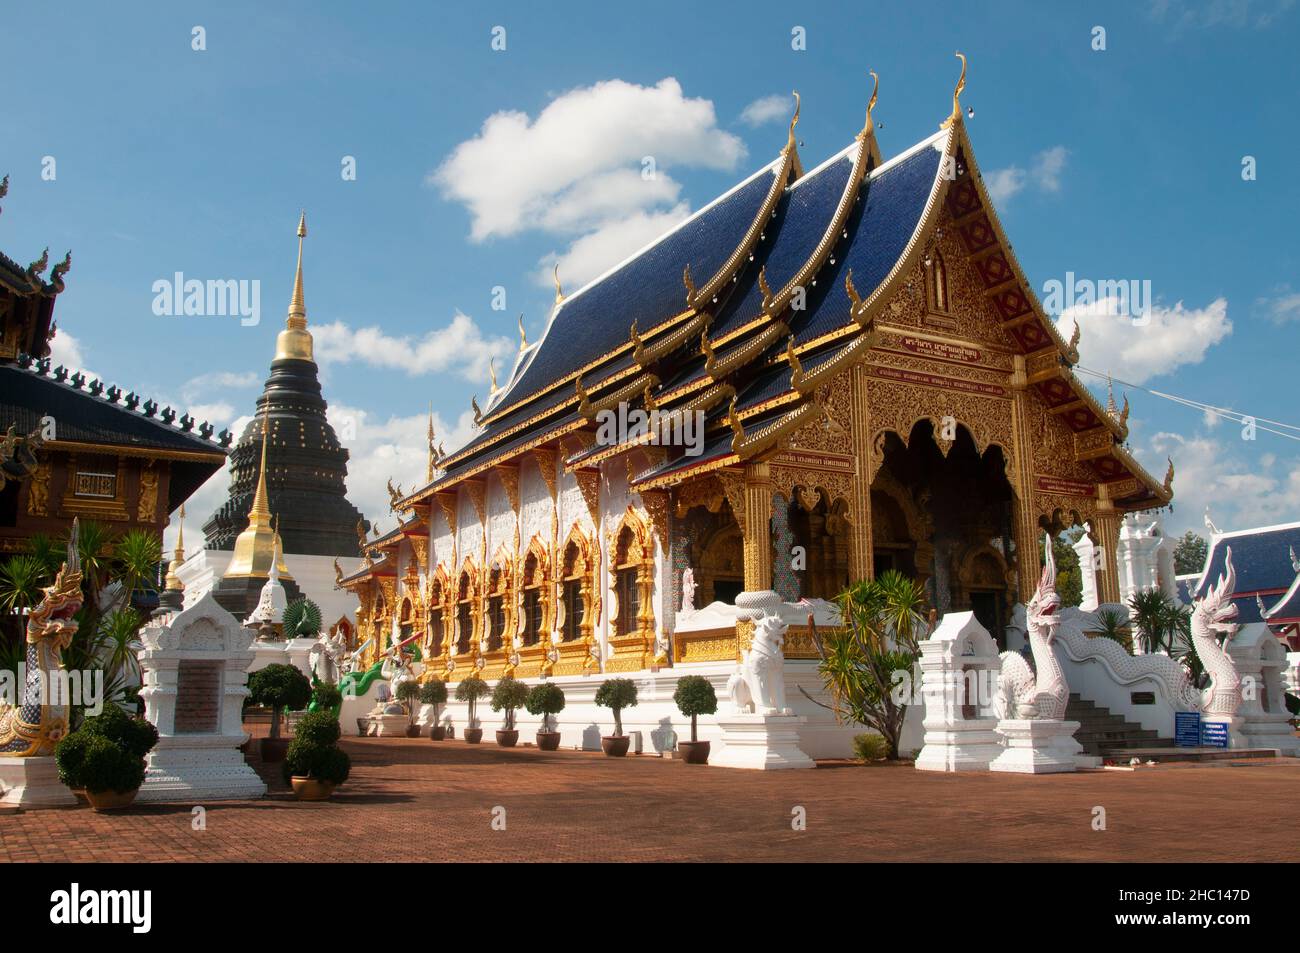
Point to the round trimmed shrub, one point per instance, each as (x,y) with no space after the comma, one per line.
(327,697)
(279,687)
(509,696)
(317,728)
(695,696)
(106,766)
(322,762)
(545,699)
(130,732)
(617,694)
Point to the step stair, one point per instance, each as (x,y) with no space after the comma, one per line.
(1104,734)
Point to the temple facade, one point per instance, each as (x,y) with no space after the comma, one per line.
(821,375)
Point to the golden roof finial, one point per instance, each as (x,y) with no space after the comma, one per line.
(764,287)
(295,341)
(523,335)
(559,291)
(794,121)
(428,475)
(492,373)
(956,95)
(1169,477)
(1110,399)
(869,127)
(261,511)
(255,547)
(737,428)
(173,581)
(689,282)
(478,413)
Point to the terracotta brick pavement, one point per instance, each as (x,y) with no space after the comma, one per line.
(422,800)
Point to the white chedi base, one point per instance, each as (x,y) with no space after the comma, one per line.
(199,768)
(33,784)
(390,726)
(761,742)
(969,745)
(1036,746)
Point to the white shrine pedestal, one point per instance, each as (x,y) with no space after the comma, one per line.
(33,784)
(1037,746)
(761,742)
(390,726)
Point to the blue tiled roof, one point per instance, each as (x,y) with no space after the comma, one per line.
(1261,558)
(647,289)
(1286,608)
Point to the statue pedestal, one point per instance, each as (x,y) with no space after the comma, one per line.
(1265,730)
(969,745)
(390,726)
(33,784)
(761,742)
(199,768)
(1036,746)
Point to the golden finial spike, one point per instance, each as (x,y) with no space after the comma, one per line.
(737,428)
(492,372)
(261,511)
(764,287)
(173,581)
(869,127)
(523,335)
(428,469)
(956,95)
(794,121)
(297,304)
(559,291)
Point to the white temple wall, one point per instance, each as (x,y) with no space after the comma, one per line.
(469,532)
(443,545)
(500,518)
(534,505)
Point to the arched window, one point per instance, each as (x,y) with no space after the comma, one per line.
(466,600)
(496,613)
(571,593)
(532,602)
(436,627)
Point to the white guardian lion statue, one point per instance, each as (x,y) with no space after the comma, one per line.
(1022,693)
(758,684)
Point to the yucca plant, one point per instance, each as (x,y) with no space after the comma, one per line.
(1111,626)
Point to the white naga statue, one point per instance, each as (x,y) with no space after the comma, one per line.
(758,684)
(1021,693)
(1211,617)
(688,590)
(326,657)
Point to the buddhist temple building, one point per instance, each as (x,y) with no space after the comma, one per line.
(72,446)
(288,475)
(876,386)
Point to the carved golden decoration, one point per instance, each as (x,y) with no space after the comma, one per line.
(955,117)
(589,487)
(147,505)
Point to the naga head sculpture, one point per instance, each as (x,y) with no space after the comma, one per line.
(1217,610)
(53,616)
(1044,606)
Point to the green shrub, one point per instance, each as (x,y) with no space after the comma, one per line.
(433,692)
(106,753)
(106,766)
(545,699)
(617,694)
(317,728)
(695,696)
(326,697)
(509,696)
(279,686)
(470,691)
(131,733)
(870,747)
(321,762)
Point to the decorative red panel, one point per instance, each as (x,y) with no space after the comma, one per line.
(994,269)
(977,235)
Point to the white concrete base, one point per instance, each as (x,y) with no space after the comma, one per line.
(267,653)
(391,726)
(1265,730)
(970,745)
(1035,746)
(761,742)
(199,768)
(33,784)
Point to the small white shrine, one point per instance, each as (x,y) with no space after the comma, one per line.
(958,661)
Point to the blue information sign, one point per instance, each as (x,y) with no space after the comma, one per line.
(1187,729)
(1214,734)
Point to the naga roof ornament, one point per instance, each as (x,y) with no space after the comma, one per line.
(523,336)
(794,121)
(956,95)
(869,127)
(559,291)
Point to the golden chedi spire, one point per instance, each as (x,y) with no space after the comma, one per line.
(173,581)
(295,342)
(255,547)
(429,465)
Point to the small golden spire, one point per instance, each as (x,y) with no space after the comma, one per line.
(794,121)
(523,335)
(173,581)
(956,95)
(428,475)
(295,341)
(260,514)
(869,127)
(559,292)
(492,373)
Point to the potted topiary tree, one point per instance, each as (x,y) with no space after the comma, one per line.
(435,693)
(694,697)
(546,699)
(105,757)
(408,693)
(470,691)
(281,687)
(326,697)
(509,696)
(315,765)
(616,694)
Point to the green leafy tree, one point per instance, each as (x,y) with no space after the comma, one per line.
(509,696)
(867,663)
(617,694)
(408,693)
(546,699)
(694,697)
(470,690)
(434,692)
(279,687)
(107,753)
(314,751)
(1190,553)
(1069,575)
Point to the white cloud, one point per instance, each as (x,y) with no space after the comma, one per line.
(460,348)
(594,253)
(767,109)
(1216,14)
(1044,174)
(222,381)
(65,349)
(1113,343)
(518,172)
(606,197)
(1282,306)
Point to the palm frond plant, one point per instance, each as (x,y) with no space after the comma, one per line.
(137,555)
(864,662)
(21,578)
(50,551)
(1111,626)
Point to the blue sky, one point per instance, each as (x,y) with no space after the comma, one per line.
(1123,163)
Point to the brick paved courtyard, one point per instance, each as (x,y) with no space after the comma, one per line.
(421,800)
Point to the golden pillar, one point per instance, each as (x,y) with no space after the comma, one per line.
(1106,532)
(861,560)
(758,527)
(1025,515)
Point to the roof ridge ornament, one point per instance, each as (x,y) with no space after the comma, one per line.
(690,285)
(791,145)
(955,118)
(492,373)
(796,368)
(1169,478)
(559,291)
(737,428)
(1072,348)
(869,127)
(764,287)
(584,399)
(523,336)
(478,413)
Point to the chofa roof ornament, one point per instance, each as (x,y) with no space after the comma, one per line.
(956,95)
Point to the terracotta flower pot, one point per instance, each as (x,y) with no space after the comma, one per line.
(694,752)
(310,789)
(473,736)
(437,733)
(507,739)
(548,740)
(273,749)
(412,731)
(615,746)
(111,800)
